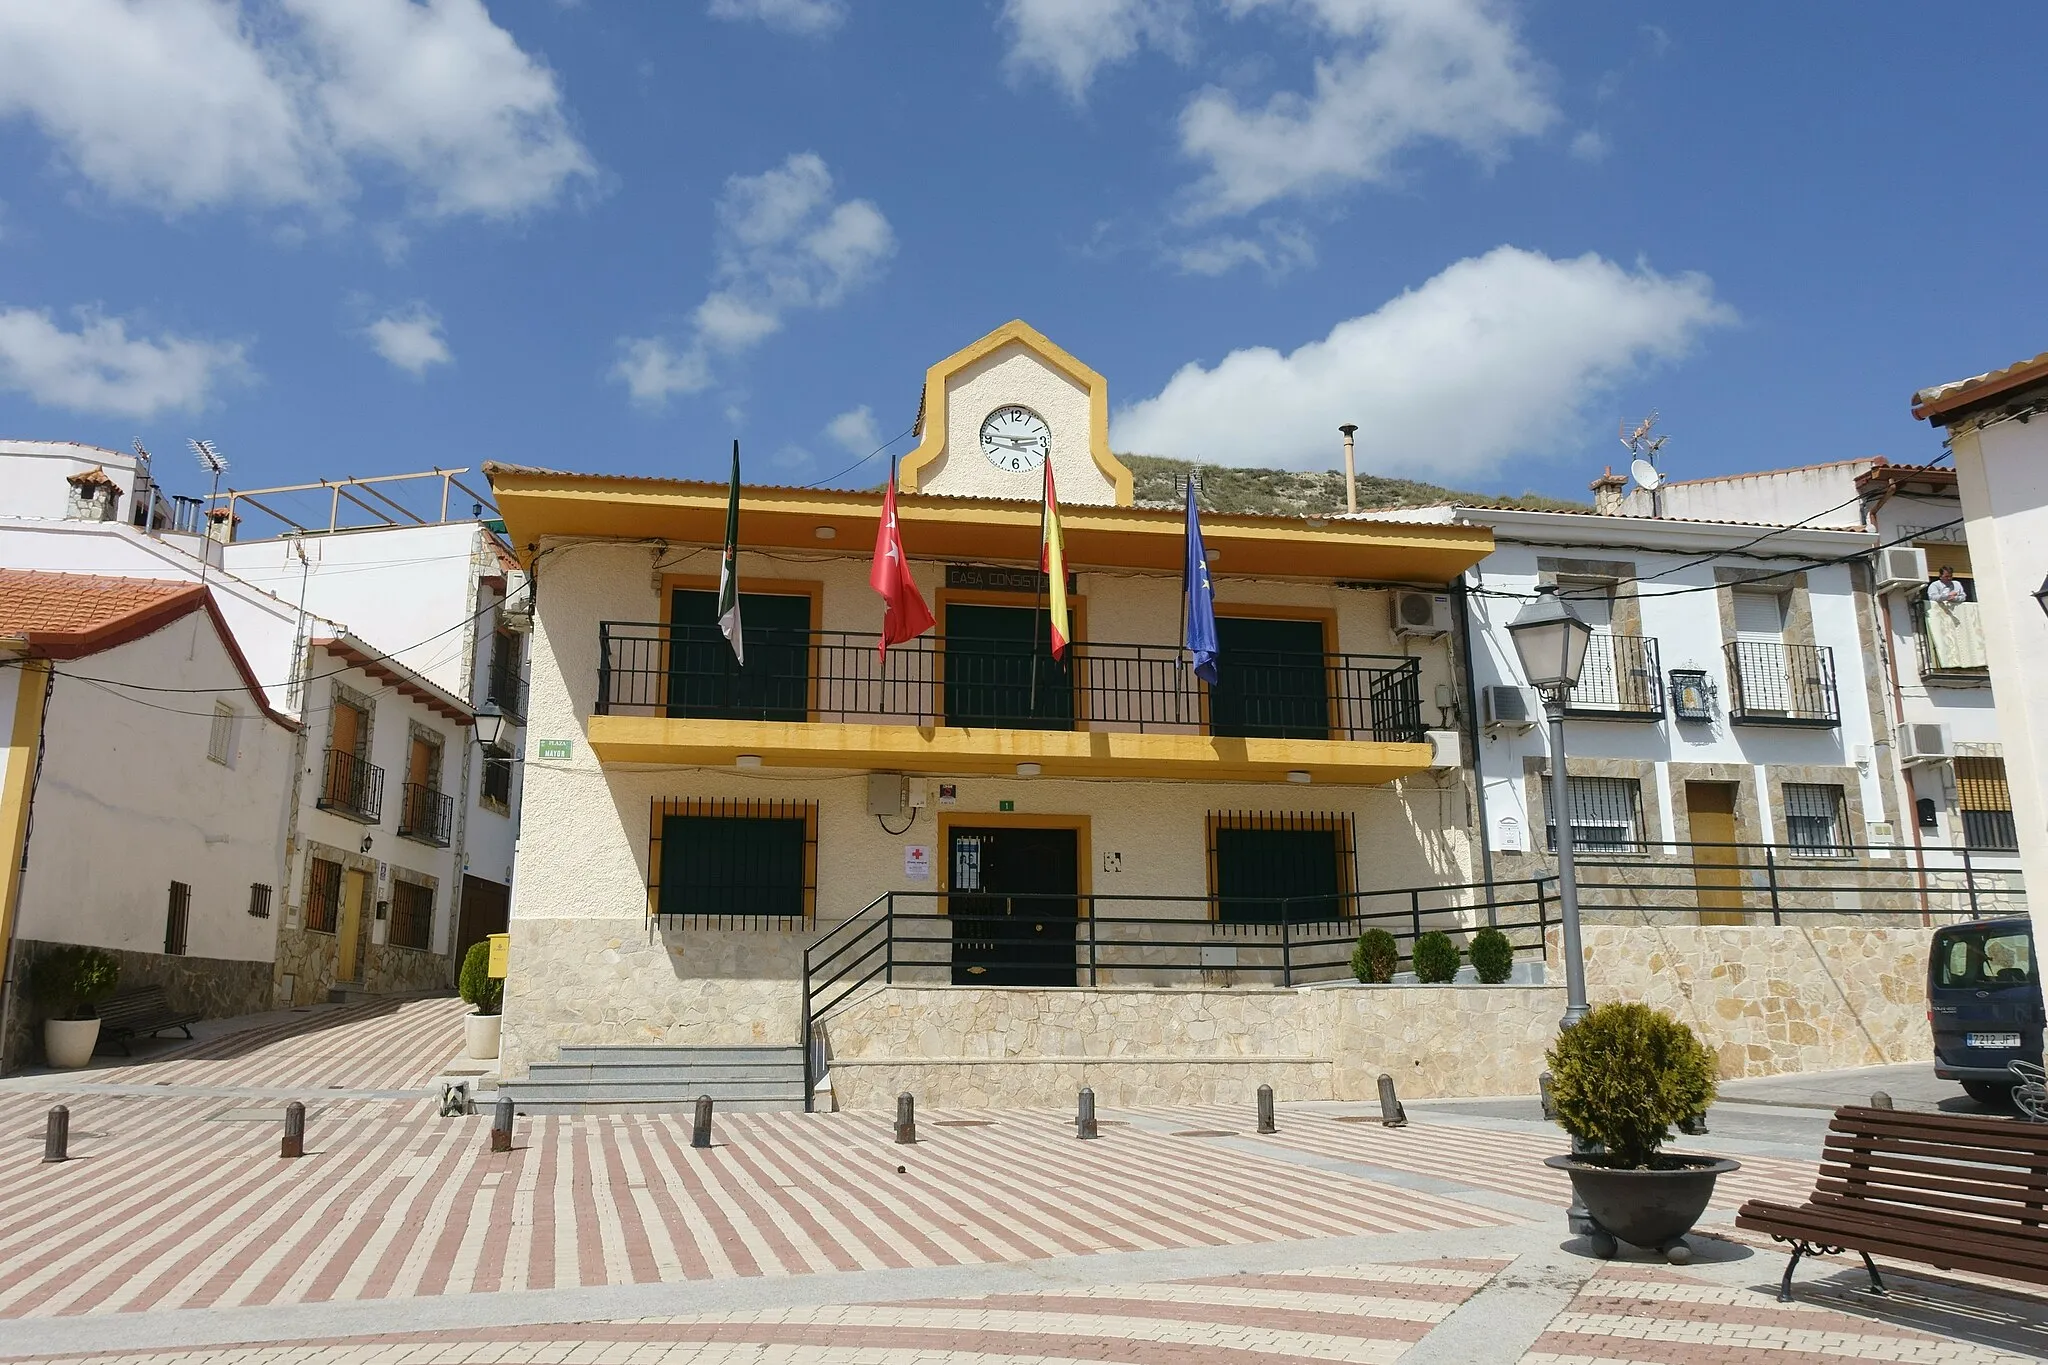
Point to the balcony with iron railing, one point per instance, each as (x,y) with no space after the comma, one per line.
(426,814)
(1779,684)
(351,787)
(1104,704)
(1620,680)
(1951,637)
(506,689)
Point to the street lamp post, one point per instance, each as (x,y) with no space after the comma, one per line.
(1551,641)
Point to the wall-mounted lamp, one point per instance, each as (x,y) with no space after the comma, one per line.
(747,761)
(2041,594)
(366,843)
(490,726)
(1028,770)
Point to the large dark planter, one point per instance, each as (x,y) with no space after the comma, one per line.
(1646,1208)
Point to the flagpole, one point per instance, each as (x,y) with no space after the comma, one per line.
(1181,659)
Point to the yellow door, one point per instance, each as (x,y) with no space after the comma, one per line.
(1710,807)
(354,887)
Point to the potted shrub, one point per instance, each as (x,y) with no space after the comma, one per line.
(1620,1079)
(68,982)
(1375,957)
(486,992)
(1436,958)
(1493,957)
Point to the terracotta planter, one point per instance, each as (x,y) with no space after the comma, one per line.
(480,1035)
(1645,1208)
(68,1043)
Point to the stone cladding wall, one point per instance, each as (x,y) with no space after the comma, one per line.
(213,988)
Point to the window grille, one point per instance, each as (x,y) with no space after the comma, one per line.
(259,901)
(1815,814)
(1986,801)
(497,777)
(220,745)
(323,896)
(1270,867)
(1607,816)
(178,919)
(412,915)
(733,863)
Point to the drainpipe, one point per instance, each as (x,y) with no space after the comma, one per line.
(17,800)
(1910,810)
(1462,596)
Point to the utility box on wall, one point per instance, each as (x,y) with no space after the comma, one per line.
(887,793)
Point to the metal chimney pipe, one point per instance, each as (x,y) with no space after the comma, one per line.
(1350,429)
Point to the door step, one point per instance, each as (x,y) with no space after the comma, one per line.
(663,1080)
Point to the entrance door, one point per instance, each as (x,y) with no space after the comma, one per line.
(355,887)
(1271,679)
(1000,671)
(1710,809)
(1013,900)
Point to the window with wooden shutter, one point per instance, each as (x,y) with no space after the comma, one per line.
(1986,802)
(178,919)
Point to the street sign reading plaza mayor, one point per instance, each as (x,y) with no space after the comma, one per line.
(726,818)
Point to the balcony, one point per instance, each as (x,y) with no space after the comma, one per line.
(352,788)
(1951,644)
(426,814)
(507,689)
(937,704)
(1779,684)
(1619,681)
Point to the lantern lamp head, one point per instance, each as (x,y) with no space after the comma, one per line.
(1550,639)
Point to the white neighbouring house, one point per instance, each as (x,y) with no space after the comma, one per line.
(144,793)
(2001,464)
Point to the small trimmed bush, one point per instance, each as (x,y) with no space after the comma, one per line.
(71,980)
(1375,957)
(478,986)
(1623,1075)
(1493,957)
(1436,957)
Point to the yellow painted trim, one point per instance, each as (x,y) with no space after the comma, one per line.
(1016,333)
(996,752)
(1084,845)
(23,743)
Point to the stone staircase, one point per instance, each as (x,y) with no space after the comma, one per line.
(663,1080)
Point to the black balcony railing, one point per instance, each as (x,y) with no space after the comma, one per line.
(426,814)
(351,787)
(1778,684)
(507,690)
(1620,680)
(834,676)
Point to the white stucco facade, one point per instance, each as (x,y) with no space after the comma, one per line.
(1017,375)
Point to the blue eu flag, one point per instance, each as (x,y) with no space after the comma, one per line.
(1201,623)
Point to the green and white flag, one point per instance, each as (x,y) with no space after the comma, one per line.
(729,567)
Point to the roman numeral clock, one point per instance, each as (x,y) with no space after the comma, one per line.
(1015,439)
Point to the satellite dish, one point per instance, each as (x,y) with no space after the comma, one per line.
(1646,474)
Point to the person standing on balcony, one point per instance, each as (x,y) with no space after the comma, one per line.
(1945,590)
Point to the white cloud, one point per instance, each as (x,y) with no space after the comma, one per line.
(806,18)
(1590,144)
(785,245)
(410,339)
(1402,72)
(199,104)
(1497,357)
(855,430)
(1069,40)
(791,458)
(100,368)
(1279,249)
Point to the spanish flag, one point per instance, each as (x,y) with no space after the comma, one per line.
(1052,562)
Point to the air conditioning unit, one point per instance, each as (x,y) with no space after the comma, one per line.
(1507,708)
(1422,613)
(1922,743)
(1445,749)
(1901,568)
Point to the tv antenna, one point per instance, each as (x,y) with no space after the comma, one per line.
(1642,448)
(210,460)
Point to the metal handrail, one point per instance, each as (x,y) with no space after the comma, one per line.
(1770,683)
(1620,680)
(658,669)
(426,813)
(352,787)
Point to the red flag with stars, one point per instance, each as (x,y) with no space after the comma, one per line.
(904,614)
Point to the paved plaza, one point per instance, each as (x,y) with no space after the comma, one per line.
(177,1235)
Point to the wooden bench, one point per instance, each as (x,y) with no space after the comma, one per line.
(1946,1190)
(142,1013)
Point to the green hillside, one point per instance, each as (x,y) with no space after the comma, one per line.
(1279,492)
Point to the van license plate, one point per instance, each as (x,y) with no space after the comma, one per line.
(1992,1039)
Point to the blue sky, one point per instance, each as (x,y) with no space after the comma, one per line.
(364,236)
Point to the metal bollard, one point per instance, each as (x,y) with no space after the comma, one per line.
(1543,1093)
(1084,1118)
(700,1131)
(1880,1100)
(294,1130)
(501,1124)
(1392,1115)
(906,1118)
(1266,1124)
(1695,1126)
(57,1137)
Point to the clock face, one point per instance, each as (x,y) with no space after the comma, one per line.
(1016,439)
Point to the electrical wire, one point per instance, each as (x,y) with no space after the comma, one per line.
(865,458)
